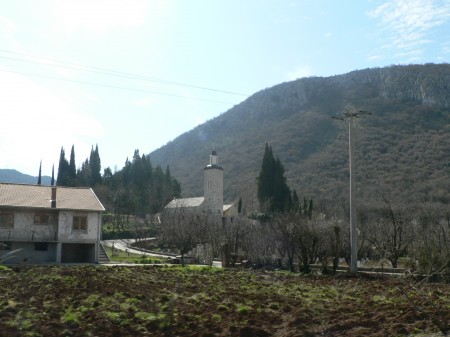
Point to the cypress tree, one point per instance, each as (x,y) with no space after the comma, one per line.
(173,187)
(52,182)
(158,184)
(266,177)
(295,201)
(84,174)
(40,172)
(95,165)
(72,167)
(273,193)
(281,197)
(63,170)
(167,175)
(240,205)
(307,208)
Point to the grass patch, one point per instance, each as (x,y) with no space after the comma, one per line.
(243,309)
(121,256)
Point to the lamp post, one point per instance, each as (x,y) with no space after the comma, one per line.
(350,115)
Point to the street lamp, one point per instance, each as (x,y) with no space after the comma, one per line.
(350,115)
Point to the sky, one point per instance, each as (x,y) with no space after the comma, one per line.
(135,74)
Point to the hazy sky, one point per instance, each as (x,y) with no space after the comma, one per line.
(136,74)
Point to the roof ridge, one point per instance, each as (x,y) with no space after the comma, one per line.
(36,185)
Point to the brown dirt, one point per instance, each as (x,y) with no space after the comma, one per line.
(172,301)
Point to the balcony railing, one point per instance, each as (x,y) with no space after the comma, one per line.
(30,235)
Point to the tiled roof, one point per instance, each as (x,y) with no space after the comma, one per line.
(186,202)
(39,196)
(227,207)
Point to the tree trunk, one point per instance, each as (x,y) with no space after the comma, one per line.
(394,262)
(291,263)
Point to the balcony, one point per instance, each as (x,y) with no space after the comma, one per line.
(27,235)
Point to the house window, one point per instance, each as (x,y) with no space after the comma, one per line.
(41,218)
(42,246)
(6,219)
(79,223)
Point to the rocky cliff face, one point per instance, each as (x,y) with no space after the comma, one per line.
(427,84)
(402,148)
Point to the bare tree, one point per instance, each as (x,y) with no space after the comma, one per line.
(432,247)
(182,229)
(235,233)
(260,244)
(392,231)
(299,235)
(310,242)
(336,245)
(285,235)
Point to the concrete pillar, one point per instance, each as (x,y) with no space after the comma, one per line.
(96,251)
(58,252)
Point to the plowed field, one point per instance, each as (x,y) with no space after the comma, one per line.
(176,301)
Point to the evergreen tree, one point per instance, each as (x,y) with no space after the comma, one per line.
(168,176)
(107,176)
(72,167)
(308,207)
(176,189)
(137,189)
(266,176)
(52,183)
(295,201)
(84,174)
(281,197)
(40,174)
(63,178)
(159,190)
(240,205)
(273,193)
(172,186)
(141,178)
(95,165)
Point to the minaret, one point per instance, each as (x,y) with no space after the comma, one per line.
(213,185)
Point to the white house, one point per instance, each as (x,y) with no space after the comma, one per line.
(212,201)
(49,224)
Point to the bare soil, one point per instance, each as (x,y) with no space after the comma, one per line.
(176,301)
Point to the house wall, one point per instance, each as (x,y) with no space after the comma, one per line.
(25,252)
(25,230)
(63,243)
(68,234)
(232,211)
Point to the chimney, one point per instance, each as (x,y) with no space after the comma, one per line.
(53,200)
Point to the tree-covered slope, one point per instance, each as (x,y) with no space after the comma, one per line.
(14,176)
(402,150)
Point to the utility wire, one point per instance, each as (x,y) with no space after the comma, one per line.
(115,87)
(109,72)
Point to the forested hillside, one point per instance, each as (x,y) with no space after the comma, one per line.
(401,151)
(14,176)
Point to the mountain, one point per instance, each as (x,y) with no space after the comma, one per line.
(402,150)
(13,176)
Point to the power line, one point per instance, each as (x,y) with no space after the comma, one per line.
(109,72)
(115,87)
